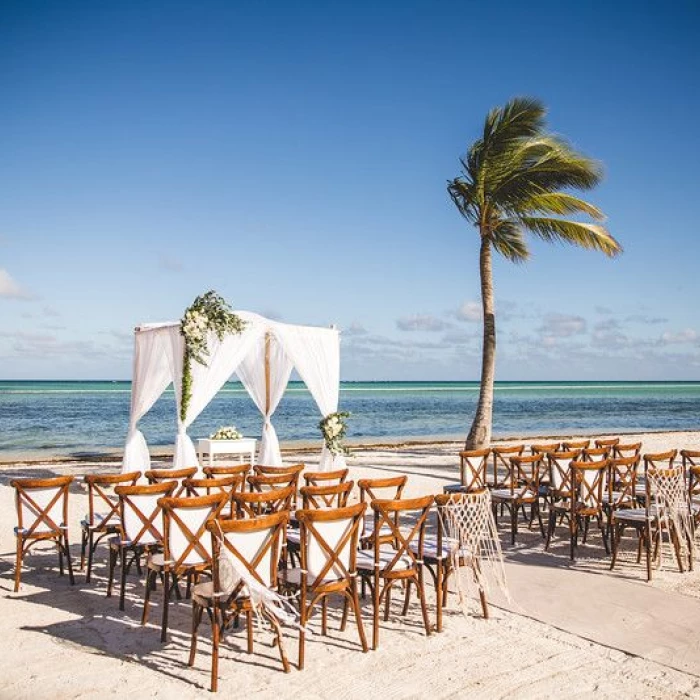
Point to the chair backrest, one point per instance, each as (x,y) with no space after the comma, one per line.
(337,476)
(590,479)
(185,522)
(406,518)
(254,503)
(622,481)
(607,442)
(544,448)
(667,485)
(631,449)
(473,467)
(560,472)
(159,476)
(261,483)
(660,460)
(501,460)
(141,515)
(570,445)
(388,488)
(329,540)
(254,544)
(326,495)
(691,466)
(223,484)
(526,471)
(227,470)
(275,471)
(592,453)
(103,502)
(42,505)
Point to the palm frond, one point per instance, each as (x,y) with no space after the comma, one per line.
(591,236)
(464,197)
(507,239)
(560,203)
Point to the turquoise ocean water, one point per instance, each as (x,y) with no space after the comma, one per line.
(79,418)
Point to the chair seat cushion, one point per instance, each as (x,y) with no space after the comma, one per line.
(365,560)
(449,548)
(454,488)
(635,514)
(293,536)
(293,575)
(507,495)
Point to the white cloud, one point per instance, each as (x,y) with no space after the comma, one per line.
(688,335)
(422,322)
(355,329)
(562,326)
(9,289)
(469,311)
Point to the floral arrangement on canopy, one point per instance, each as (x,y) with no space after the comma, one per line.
(208,312)
(226,432)
(334,427)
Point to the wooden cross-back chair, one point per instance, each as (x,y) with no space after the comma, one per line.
(593,454)
(42,516)
(440,554)
(609,443)
(255,546)
(622,485)
(631,449)
(337,476)
(583,499)
(255,503)
(387,488)
(473,468)
(385,566)
(646,520)
(185,549)
(227,485)
(329,539)
(158,476)
(544,448)
(270,482)
(326,496)
(314,497)
(691,466)
(523,489)
(276,471)
(501,455)
(141,528)
(102,518)
(227,470)
(578,445)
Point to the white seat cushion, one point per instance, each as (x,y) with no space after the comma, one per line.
(293,536)
(365,559)
(453,488)
(449,547)
(635,514)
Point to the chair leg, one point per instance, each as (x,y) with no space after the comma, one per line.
(513,522)
(438,595)
(375,611)
(358,614)
(71,577)
(423,606)
(647,539)
(196,619)
(90,553)
(324,616)
(150,585)
(112,564)
(344,618)
(551,524)
(302,634)
(278,636)
(166,605)
(387,601)
(122,587)
(215,630)
(249,630)
(83,545)
(18,562)
(604,534)
(406,599)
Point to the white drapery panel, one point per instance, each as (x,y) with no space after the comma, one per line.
(267,361)
(315,353)
(224,357)
(151,377)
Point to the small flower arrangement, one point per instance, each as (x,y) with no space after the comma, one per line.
(209,312)
(226,432)
(334,427)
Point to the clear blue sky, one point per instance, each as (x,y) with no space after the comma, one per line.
(294,156)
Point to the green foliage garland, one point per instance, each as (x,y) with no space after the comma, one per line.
(209,312)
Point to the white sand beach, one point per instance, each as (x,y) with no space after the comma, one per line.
(571,629)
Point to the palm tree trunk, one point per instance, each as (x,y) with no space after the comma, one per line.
(480,432)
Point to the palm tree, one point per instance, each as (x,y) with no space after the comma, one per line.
(515,179)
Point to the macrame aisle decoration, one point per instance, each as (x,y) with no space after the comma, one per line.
(209,312)
(673,512)
(475,549)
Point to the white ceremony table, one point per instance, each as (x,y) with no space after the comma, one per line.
(244,446)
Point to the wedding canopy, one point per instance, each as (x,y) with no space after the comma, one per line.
(262,356)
